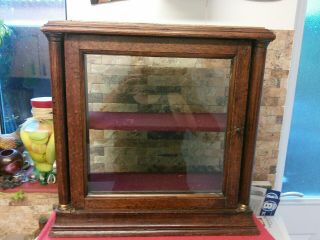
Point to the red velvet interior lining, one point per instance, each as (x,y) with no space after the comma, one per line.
(194,182)
(157,121)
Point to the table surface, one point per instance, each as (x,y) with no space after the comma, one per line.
(264,235)
(33,187)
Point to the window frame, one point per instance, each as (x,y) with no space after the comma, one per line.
(291,89)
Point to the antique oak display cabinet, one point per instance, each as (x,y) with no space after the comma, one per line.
(155,127)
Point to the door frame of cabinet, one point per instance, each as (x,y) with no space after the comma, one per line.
(121,214)
(77,46)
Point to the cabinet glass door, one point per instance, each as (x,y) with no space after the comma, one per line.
(156,124)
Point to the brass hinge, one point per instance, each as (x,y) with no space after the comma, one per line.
(236,130)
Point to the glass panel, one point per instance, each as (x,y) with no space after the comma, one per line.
(302,162)
(24,57)
(156,123)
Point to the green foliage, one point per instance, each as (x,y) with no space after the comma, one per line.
(4,31)
(43,219)
(7,37)
(18,196)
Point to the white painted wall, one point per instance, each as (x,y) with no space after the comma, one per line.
(273,14)
(301,217)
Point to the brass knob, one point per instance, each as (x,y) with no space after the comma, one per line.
(242,208)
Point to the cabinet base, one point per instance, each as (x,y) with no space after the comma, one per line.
(94,224)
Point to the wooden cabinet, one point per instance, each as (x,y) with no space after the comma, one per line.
(155,127)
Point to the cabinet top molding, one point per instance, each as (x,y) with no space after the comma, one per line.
(144,29)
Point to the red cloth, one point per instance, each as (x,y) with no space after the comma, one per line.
(264,235)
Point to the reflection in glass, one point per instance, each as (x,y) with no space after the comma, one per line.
(156,124)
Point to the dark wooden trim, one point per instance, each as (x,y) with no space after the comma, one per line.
(157,47)
(171,223)
(155,201)
(144,29)
(76,121)
(255,88)
(56,49)
(236,120)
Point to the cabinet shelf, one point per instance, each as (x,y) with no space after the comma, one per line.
(178,122)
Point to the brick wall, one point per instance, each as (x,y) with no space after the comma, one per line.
(272,105)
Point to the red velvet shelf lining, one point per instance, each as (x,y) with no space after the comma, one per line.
(197,182)
(178,122)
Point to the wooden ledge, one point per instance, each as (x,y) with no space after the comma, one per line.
(145,29)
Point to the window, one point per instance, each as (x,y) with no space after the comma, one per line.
(24,60)
(302,170)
